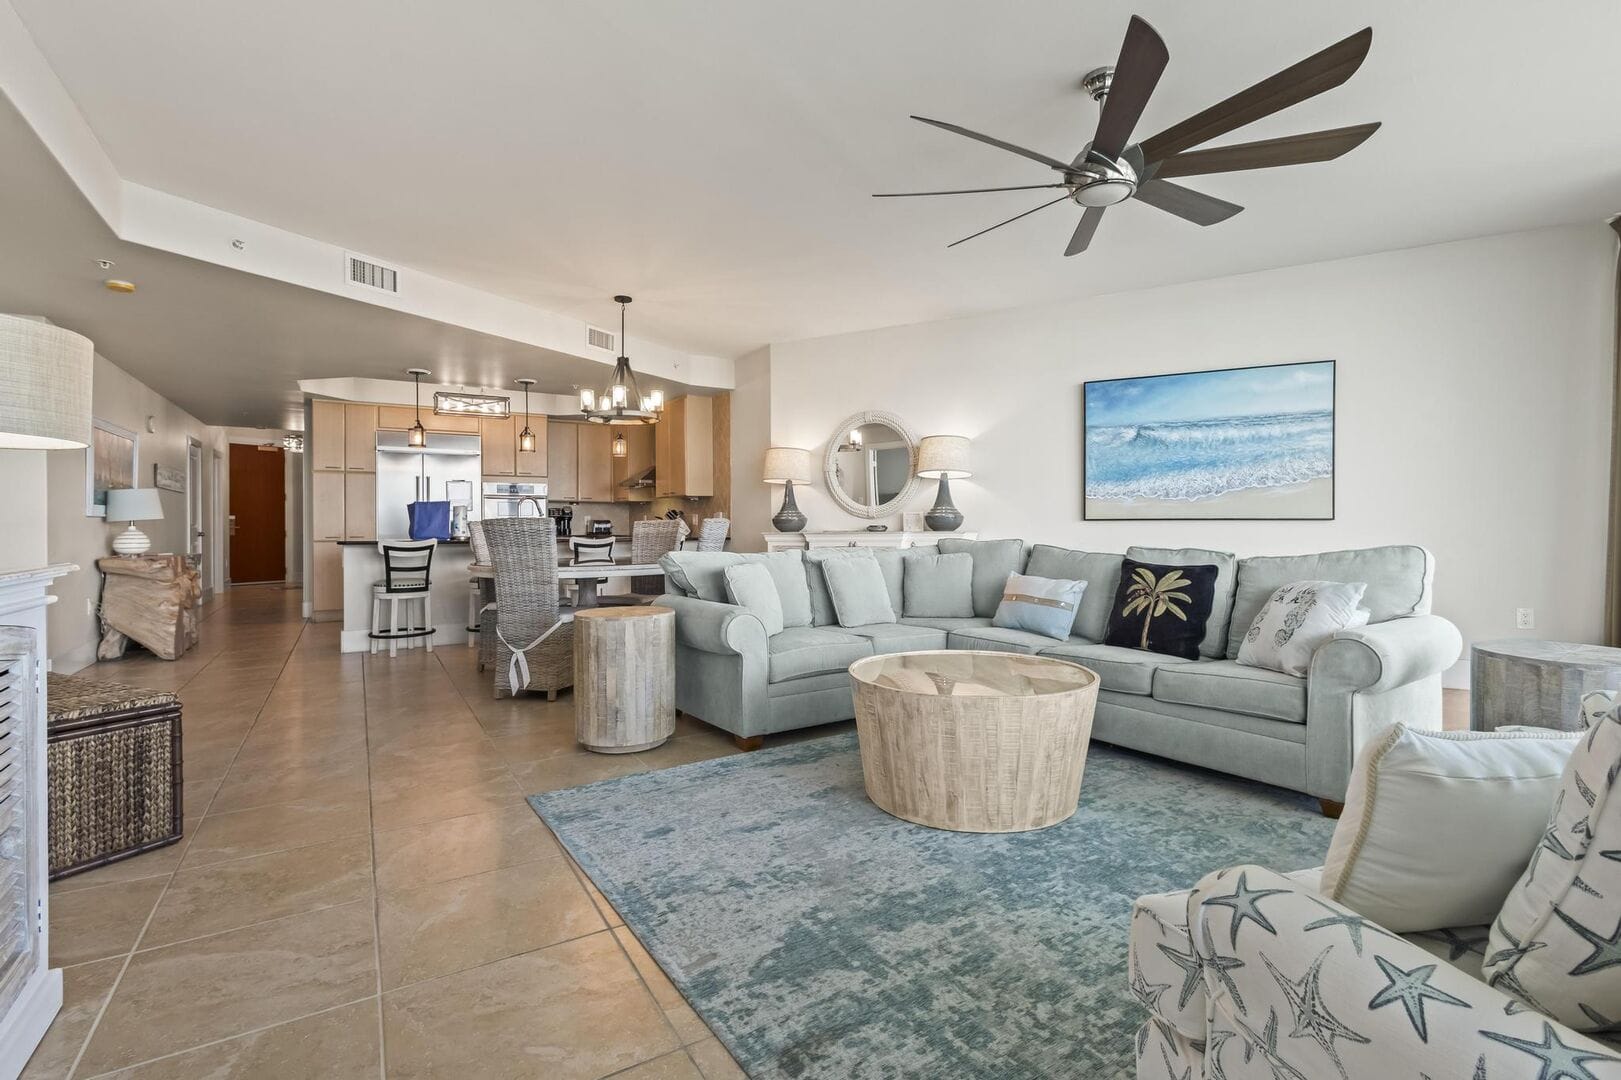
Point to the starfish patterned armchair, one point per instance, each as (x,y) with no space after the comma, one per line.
(1253,975)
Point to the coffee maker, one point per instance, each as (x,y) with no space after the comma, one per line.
(563,520)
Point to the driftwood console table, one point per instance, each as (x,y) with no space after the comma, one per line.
(148,599)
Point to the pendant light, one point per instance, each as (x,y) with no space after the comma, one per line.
(621,401)
(621,449)
(418,435)
(526,438)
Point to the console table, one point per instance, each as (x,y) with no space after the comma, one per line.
(151,599)
(1536,683)
(893,538)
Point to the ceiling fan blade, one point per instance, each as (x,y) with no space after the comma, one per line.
(1053,163)
(1194,206)
(1313,75)
(964,191)
(1143,57)
(1268,153)
(1082,237)
(1010,220)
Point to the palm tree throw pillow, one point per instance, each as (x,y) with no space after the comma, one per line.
(1162,609)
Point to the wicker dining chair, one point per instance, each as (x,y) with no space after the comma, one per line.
(712,534)
(534,642)
(649,540)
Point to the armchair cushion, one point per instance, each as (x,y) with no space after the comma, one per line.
(808,650)
(1224,684)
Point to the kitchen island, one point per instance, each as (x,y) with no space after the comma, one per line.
(448,595)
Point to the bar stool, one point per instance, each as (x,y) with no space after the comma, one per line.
(588,552)
(406,578)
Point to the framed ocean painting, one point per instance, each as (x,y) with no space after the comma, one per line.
(1250,443)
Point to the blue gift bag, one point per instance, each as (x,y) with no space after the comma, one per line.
(429,520)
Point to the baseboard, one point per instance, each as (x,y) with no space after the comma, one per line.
(25,1023)
(445,634)
(306,609)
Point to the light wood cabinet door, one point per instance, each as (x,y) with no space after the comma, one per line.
(399,417)
(326,572)
(596,463)
(698,447)
(637,460)
(360,438)
(533,462)
(326,506)
(326,442)
(459,424)
(360,506)
(666,460)
(563,462)
(498,445)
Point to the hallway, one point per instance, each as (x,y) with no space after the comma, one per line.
(361,890)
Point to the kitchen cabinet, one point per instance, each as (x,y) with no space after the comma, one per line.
(360,438)
(401,417)
(595,463)
(360,506)
(639,457)
(326,576)
(532,463)
(685,448)
(326,441)
(562,461)
(498,446)
(326,505)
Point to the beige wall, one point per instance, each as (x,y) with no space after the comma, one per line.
(753,503)
(22,508)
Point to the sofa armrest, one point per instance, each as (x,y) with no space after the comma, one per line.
(1309,986)
(1384,656)
(715,628)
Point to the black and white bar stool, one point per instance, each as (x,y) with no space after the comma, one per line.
(406,580)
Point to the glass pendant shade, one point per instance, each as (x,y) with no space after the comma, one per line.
(526,440)
(418,435)
(621,449)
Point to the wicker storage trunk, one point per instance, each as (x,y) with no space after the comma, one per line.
(113,755)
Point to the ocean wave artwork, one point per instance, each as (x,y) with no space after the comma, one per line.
(1239,443)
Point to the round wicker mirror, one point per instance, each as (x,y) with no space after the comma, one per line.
(871,465)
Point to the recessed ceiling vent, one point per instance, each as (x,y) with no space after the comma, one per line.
(601,339)
(371,275)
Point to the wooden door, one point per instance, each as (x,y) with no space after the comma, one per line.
(596,463)
(326,442)
(360,438)
(259,513)
(533,462)
(498,446)
(563,462)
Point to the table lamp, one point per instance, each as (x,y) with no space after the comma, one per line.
(132,505)
(944,457)
(788,466)
(46,371)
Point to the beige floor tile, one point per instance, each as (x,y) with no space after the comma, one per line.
(182,996)
(243,833)
(228,895)
(542,741)
(84,990)
(159,862)
(436,929)
(340,1044)
(663,990)
(90,924)
(572,770)
(329,782)
(400,803)
(608,912)
(570,1012)
(689,1026)
(715,1061)
(676,1066)
(197,795)
(457,847)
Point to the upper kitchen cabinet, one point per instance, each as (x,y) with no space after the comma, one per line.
(401,417)
(596,482)
(498,444)
(638,459)
(684,446)
(562,462)
(533,462)
(326,444)
(360,438)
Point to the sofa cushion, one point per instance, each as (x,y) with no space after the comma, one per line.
(1398,579)
(700,573)
(1224,684)
(822,612)
(787,570)
(948,624)
(998,639)
(1129,671)
(1101,574)
(994,560)
(1214,643)
(892,561)
(809,650)
(1044,606)
(858,591)
(749,586)
(939,586)
(900,637)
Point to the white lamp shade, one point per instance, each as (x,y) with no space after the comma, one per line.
(44,386)
(943,455)
(784,464)
(134,504)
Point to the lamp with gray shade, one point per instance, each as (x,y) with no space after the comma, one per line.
(943,457)
(132,505)
(787,465)
(46,372)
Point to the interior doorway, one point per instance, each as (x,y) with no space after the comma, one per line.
(258,521)
(195,532)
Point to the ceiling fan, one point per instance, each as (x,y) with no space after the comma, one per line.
(1111,169)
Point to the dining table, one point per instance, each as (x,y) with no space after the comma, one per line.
(584,575)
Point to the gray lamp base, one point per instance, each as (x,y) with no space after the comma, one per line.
(943,516)
(789,518)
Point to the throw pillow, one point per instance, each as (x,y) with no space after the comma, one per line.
(938,586)
(750,587)
(822,613)
(1438,824)
(1553,944)
(1296,620)
(788,571)
(1162,609)
(860,597)
(1040,605)
(1214,642)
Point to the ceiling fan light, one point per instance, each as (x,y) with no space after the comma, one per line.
(1105,192)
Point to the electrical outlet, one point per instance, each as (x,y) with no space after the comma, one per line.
(89,606)
(1525,619)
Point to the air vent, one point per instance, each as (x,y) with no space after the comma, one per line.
(370,275)
(602,339)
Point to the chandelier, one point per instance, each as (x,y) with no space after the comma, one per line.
(621,401)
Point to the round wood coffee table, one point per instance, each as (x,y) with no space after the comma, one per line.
(974,741)
(624,677)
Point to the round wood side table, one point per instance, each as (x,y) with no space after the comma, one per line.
(1536,683)
(624,677)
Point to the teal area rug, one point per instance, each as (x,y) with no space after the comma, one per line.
(821,938)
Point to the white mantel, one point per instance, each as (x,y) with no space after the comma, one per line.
(861,538)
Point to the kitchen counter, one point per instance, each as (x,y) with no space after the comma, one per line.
(374,543)
(363,567)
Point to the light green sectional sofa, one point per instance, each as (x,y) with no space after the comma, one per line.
(1298,733)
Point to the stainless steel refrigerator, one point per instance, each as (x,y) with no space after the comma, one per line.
(447,469)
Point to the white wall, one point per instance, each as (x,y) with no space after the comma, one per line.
(22,508)
(1473,410)
(751,434)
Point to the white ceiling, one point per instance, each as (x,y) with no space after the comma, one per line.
(715,159)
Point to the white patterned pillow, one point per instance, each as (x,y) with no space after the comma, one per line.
(1297,619)
(1556,945)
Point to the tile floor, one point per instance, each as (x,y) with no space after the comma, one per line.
(361,891)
